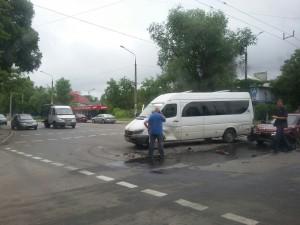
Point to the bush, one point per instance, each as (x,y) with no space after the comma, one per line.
(121,113)
(264,111)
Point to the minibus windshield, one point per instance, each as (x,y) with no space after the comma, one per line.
(150,108)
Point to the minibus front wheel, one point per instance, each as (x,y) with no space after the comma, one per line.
(229,135)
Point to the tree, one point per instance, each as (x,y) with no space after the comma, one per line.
(197,50)
(19,50)
(153,87)
(287,85)
(63,90)
(119,94)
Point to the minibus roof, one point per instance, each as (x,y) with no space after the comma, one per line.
(202,96)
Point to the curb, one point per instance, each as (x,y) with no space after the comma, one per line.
(11,133)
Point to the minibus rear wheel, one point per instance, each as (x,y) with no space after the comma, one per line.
(229,135)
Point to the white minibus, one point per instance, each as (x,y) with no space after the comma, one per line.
(192,116)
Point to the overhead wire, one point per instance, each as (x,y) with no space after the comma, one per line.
(253,17)
(243,21)
(95,25)
(82,12)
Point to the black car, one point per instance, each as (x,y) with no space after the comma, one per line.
(23,121)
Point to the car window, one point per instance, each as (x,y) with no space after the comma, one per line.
(25,117)
(170,110)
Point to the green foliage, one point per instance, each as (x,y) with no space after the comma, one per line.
(121,113)
(151,88)
(197,51)
(264,111)
(18,41)
(287,85)
(119,94)
(63,90)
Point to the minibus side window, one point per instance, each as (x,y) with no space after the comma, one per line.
(170,110)
(192,109)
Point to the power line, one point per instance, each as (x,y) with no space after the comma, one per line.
(94,24)
(83,12)
(243,21)
(276,16)
(253,17)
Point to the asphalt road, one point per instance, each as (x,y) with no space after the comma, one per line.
(91,176)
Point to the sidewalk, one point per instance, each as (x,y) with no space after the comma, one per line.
(5,132)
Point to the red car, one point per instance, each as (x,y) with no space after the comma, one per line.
(81,118)
(265,132)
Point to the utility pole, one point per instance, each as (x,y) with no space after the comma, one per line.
(10,105)
(246,63)
(50,75)
(135,79)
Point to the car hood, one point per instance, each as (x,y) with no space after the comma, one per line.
(28,121)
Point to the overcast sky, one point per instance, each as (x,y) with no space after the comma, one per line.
(89,55)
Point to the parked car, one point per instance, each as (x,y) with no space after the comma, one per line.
(265,132)
(23,121)
(3,120)
(81,118)
(104,118)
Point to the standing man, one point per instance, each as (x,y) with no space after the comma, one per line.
(280,123)
(155,129)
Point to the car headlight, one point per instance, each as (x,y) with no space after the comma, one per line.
(60,120)
(139,131)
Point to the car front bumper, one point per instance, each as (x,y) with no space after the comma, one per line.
(138,139)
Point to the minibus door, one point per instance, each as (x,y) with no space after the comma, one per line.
(172,128)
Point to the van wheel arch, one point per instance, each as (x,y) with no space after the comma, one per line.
(229,135)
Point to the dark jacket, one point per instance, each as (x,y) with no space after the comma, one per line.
(281,123)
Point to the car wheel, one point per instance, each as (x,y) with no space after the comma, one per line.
(47,125)
(229,135)
(55,125)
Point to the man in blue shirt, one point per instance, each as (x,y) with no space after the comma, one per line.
(155,129)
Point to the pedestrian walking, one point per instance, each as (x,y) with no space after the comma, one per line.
(280,123)
(155,129)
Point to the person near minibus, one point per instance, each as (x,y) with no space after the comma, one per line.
(154,125)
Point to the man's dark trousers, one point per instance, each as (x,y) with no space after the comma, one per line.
(279,139)
(159,138)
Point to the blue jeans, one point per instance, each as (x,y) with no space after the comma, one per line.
(159,138)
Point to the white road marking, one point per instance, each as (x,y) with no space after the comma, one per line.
(57,164)
(52,139)
(105,178)
(13,150)
(66,138)
(7,148)
(37,140)
(24,135)
(38,158)
(28,155)
(20,142)
(86,172)
(71,168)
(103,134)
(240,219)
(192,205)
(126,184)
(154,193)
(21,153)
(92,135)
(37,134)
(46,161)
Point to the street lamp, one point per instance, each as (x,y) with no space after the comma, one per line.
(51,84)
(246,57)
(135,79)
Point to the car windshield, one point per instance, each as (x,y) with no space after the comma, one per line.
(2,116)
(150,108)
(26,117)
(63,111)
(108,116)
